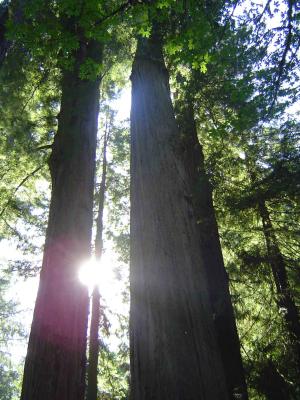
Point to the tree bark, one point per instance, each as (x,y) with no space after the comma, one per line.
(174,353)
(56,357)
(224,319)
(94,348)
(271,383)
(285,297)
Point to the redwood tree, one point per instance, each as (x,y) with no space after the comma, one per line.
(94,347)
(201,197)
(56,357)
(285,300)
(174,352)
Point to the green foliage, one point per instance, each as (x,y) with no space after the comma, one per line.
(114,374)
(29,106)
(240,74)
(10,331)
(90,69)
(274,155)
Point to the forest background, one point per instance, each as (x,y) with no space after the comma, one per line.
(238,64)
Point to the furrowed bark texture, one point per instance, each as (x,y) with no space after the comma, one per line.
(56,357)
(174,353)
(94,348)
(285,297)
(201,196)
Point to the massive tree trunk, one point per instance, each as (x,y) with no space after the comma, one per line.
(285,297)
(92,386)
(174,352)
(201,198)
(56,357)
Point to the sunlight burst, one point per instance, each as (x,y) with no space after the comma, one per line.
(93,272)
(89,273)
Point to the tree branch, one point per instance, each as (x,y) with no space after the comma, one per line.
(123,7)
(282,62)
(43,147)
(40,82)
(264,10)
(23,181)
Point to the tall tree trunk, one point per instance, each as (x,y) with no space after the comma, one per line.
(56,357)
(271,383)
(92,386)
(174,353)
(277,263)
(202,200)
